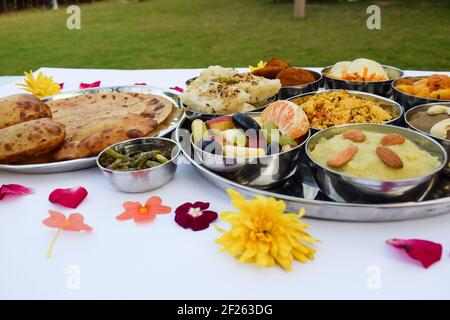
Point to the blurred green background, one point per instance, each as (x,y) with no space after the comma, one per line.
(198,33)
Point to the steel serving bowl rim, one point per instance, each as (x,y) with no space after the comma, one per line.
(410,95)
(362,93)
(422,106)
(120,172)
(303,200)
(371,181)
(362,82)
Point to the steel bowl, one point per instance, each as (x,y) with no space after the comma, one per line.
(444,142)
(408,101)
(381,88)
(262,172)
(344,188)
(145,179)
(387,104)
(291,91)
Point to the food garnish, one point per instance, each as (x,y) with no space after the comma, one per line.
(389,157)
(354,135)
(392,139)
(341,158)
(441,129)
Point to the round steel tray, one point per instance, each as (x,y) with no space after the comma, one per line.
(301,191)
(71,165)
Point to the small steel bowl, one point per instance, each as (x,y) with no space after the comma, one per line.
(444,142)
(381,88)
(291,91)
(387,104)
(145,179)
(262,172)
(344,188)
(408,101)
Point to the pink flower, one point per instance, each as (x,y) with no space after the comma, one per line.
(61,85)
(90,85)
(425,251)
(70,197)
(194,216)
(13,189)
(177,88)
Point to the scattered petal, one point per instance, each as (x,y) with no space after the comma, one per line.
(90,85)
(61,85)
(135,210)
(177,88)
(425,251)
(140,84)
(194,216)
(70,197)
(14,189)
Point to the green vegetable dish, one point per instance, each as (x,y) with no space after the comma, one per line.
(115,159)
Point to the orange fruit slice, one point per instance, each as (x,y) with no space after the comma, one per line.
(289,117)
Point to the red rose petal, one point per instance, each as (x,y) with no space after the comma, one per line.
(90,85)
(14,189)
(61,85)
(140,84)
(70,197)
(425,251)
(176,88)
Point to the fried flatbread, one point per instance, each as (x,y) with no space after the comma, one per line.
(96,136)
(30,139)
(80,111)
(20,108)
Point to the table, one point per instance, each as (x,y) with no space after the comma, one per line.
(125,260)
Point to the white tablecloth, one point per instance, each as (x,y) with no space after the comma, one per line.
(162,260)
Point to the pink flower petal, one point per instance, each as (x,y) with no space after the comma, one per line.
(177,88)
(90,85)
(61,85)
(140,84)
(425,251)
(70,198)
(14,189)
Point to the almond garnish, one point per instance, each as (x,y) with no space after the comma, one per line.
(392,139)
(354,135)
(389,157)
(342,157)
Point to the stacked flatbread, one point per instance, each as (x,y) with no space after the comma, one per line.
(77,127)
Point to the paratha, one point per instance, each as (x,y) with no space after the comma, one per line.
(30,139)
(79,111)
(19,108)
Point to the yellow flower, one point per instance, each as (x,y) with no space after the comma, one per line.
(42,86)
(261,64)
(262,233)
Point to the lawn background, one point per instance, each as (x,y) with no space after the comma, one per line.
(197,33)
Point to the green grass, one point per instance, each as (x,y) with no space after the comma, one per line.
(197,33)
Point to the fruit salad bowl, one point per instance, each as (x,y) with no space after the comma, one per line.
(249,148)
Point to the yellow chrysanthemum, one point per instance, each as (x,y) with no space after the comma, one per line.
(262,233)
(261,64)
(42,86)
